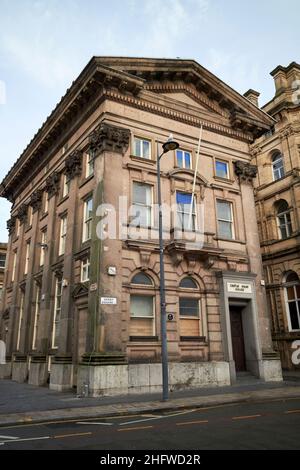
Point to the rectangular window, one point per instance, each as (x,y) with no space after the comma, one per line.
(63,235)
(13,277)
(57,312)
(30,216)
(85,270)
(27,257)
(142,316)
(142,204)
(36,316)
(89,164)
(43,247)
(225,219)
(186,215)
(66,185)
(20,323)
(1,291)
(46,203)
(142,148)
(2,261)
(184,159)
(188,307)
(87,220)
(18,225)
(222,169)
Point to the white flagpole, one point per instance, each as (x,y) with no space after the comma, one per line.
(195,176)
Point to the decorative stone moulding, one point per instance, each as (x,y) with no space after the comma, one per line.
(11,225)
(52,184)
(22,213)
(109,138)
(36,200)
(245,171)
(73,165)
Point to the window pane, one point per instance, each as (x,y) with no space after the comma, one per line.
(188,283)
(137,147)
(290,293)
(179,155)
(292,277)
(225,229)
(224,210)
(141,193)
(141,306)
(142,279)
(189,307)
(294,316)
(187,159)
(146,149)
(183,198)
(221,169)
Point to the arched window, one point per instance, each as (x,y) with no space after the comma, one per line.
(189,310)
(188,283)
(292,288)
(142,307)
(142,279)
(283,219)
(277,166)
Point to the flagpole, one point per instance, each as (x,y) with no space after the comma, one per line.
(195,175)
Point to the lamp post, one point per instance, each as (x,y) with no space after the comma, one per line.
(167,146)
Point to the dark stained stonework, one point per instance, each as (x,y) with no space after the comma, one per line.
(11,225)
(36,200)
(109,138)
(22,213)
(245,171)
(73,165)
(52,184)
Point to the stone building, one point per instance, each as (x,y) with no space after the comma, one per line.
(84,310)
(277,193)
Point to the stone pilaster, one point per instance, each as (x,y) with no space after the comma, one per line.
(109,144)
(61,377)
(246,174)
(29,299)
(45,326)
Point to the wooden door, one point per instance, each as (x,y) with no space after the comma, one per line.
(238,346)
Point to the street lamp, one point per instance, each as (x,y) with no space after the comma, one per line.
(167,146)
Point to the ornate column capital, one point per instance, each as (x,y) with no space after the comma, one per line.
(73,164)
(36,200)
(52,184)
(245,171)
(22,213)
(11,224)
(109,138)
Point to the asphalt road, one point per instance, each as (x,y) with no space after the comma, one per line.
(272,425)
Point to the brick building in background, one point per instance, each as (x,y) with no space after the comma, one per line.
(85,311)
(277,194)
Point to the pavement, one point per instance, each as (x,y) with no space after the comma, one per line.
(24,403)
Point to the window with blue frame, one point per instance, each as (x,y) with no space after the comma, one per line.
(186,218)
(183,159)
(222,169)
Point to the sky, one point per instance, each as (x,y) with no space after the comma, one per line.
(44,44)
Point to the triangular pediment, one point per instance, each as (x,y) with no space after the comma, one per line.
(244,115)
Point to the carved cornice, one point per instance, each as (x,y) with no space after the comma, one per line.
(52,184)
(255,150)
(36,200)
(73,165)
(178,116)
(245,171)
(22,213)
(109,138)
(11,225)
